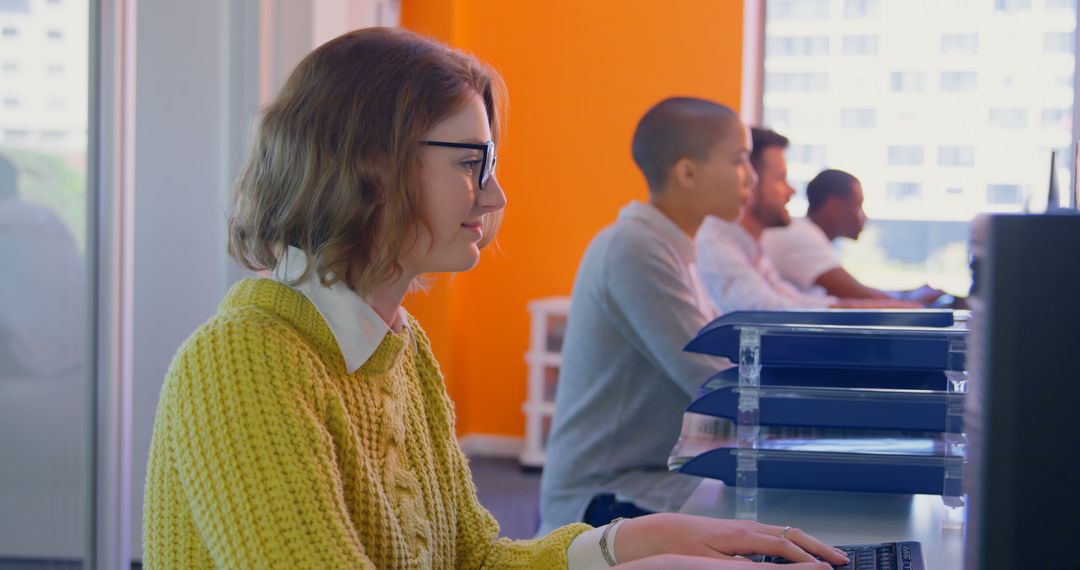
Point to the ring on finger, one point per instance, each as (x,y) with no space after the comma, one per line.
(783,535)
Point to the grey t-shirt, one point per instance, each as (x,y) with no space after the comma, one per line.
(625,380)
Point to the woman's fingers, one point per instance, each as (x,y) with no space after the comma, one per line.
(816,547)
(805,543)
(679,562)
(763,539)
(798,566)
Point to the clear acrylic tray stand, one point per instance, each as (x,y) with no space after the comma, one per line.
(748,428)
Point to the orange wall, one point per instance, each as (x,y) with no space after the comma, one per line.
(580,74)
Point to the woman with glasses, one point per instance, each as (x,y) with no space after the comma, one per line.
(306,424)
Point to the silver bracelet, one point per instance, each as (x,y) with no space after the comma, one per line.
(609,556)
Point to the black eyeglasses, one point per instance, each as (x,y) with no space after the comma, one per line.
(487,161)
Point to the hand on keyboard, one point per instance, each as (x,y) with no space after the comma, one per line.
(679,562)
(884,556)
(723,540)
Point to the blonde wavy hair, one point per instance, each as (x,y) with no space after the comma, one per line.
(333,168)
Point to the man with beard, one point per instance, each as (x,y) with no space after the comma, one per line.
(733,266)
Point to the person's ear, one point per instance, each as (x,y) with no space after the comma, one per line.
(684,173)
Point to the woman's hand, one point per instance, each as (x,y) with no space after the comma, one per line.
(677,562)
(692,536)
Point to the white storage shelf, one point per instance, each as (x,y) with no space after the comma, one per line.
(548,323)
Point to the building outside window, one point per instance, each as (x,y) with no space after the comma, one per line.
(858,118)
(1006,194)
(908,81)
(959,43)
(990,80)
(959,80)
(905,155)
(860,45)
(801,45)
(797,82)
(956,156)
(903,191)
(861,8)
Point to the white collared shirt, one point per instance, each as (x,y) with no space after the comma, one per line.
(357,328)
(739,277)
(801,252)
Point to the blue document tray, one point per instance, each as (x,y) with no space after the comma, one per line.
(837,378)
(845,317)
(840,346)
(854,408)
(878,465)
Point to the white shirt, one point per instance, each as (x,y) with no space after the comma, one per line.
(800,252)
(357,328)
(739,277)
(358,331)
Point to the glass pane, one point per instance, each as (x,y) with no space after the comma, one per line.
(44,292)
(940,118)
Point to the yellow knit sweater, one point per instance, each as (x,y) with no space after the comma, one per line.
(267,453)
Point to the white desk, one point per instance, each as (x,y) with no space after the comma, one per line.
(845,518)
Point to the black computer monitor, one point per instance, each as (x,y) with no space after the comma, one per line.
(1024,402)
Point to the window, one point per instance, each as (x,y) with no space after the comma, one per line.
(796,82)
(929,104)
(14,6)
(958,80)
(905,155)
(959,43)
(858,118)
(1059,42)
(810,45)
(786,119)
(777,118)
(903,191)
(861,8)
(1008,118)
(908,81)
(1003,194)
(956,156)
(1012,5)
(46,465)
(797,10)
(16,136)
(53,137)
(1059,119)
(860,45)
(806,154)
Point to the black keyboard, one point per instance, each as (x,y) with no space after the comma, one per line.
(885,556)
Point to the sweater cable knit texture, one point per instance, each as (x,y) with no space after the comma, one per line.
(267,453)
